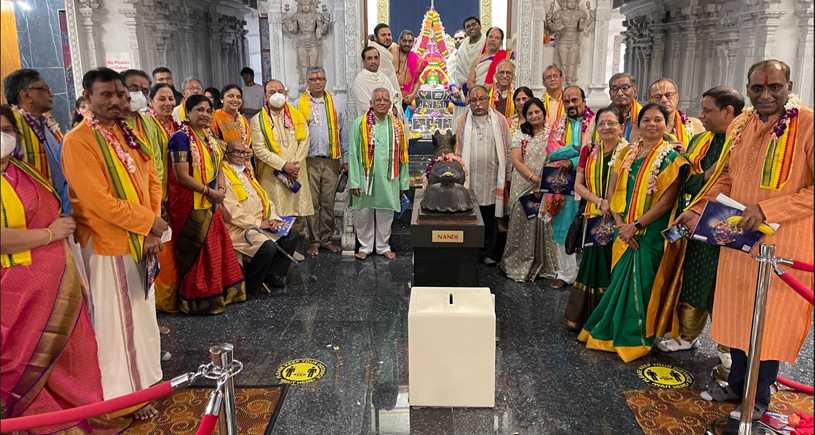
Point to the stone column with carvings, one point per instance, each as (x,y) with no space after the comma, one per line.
(690,62)
(657,49)
(352,48)
(215,36)
(615,60)
(131,11)
(525,47)
(806,41)
(88,10)
(598,95)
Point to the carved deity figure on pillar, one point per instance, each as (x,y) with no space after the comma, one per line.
(568,24)
(308,27)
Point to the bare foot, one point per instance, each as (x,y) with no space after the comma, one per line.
(389,255)
(313,250)
(145,412)
(163,330)
(332,247)
(361,255)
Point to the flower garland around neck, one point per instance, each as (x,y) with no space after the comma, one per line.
(194,152)
(287,121)
(665,148)
(621,144)
(686,122)
(114,142)
(790,112)
(170,126)
(560,130)
(444,158)
(32,123)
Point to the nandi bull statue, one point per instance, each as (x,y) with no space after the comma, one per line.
(444,179)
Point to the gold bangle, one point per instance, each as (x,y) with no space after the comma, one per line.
(50,236)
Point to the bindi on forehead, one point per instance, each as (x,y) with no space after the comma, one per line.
(766,80)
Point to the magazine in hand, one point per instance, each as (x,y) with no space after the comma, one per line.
(553,182)
(284,228)
(404,206)
(284,178)
(531,205)
(598,233)
(713,229)
(152,268)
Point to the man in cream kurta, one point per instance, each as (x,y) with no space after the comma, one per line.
(383,43)
(262,259)
(289,132)
(459,67)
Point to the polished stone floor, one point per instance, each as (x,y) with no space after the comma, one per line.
(352,315)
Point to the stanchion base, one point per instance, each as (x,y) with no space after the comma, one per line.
(728,426)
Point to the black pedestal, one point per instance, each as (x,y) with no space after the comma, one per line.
(446,247)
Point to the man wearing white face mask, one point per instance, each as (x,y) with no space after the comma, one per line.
(280,141)
(145,127)
(29,95)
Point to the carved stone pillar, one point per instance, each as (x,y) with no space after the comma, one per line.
(87,53)
(646,71)
(130,10)
(615,60)
(215,35)
(690,62)
(768,23)
(806,41)
(525,46)
(352,49)
(657,52)
(731,49)
(340,80)
(598,95)
(276,38)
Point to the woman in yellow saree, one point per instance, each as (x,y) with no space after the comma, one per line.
(645,183)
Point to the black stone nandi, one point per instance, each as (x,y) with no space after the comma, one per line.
(445,183)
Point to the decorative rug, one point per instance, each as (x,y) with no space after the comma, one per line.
(682,412)
(180,412)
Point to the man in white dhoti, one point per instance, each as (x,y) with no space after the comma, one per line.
(459,67)
(115,193)
(482,139)
(368,79)
(377,174)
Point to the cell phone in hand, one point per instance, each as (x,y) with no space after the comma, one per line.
(675,232)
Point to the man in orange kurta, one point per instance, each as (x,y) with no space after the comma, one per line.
(788,202)
(108,222)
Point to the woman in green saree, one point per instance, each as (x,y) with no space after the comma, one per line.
(645,183)
(591,183)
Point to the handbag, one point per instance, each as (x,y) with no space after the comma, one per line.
(574,238)
(342,181)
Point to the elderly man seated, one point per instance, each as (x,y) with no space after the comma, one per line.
(246,205)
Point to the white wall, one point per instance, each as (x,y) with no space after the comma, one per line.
(253,37)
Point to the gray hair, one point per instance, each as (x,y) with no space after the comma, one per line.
(17,82)
(274,80)
(313,70)
(621,75)
(553,67)
(190,79)
(406,32)
(373,94)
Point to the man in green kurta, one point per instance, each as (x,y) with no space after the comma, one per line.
(377,174)
(720,105)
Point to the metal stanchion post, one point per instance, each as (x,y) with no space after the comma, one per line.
(222,355)
(765,267)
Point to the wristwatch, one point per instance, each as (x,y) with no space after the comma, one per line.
(637,225)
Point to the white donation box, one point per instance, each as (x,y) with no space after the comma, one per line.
(451,344)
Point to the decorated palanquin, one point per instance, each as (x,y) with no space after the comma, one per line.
(431,107)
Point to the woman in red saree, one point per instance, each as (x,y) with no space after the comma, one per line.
(47,344)
(208,268)
(482,71)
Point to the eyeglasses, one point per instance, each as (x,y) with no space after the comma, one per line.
(609,124)
(624,88)
(45,89)
(479,100)
(667,95)
(194,88)
(551,76)
(240,153)
(382,100)
(316,79)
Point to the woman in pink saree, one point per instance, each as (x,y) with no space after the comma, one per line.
(47,345)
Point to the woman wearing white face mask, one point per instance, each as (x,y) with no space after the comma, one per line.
(35,255)
(280,141)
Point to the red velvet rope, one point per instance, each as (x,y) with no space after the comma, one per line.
(207,426)
(87,411)
(798,287)
(800,265)
(795,385)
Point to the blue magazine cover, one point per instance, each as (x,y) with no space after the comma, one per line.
(553,182)
(285,226)
(598,233)
(403,207)
(713,229)
(531,205)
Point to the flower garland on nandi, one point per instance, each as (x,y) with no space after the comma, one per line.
(445,158)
